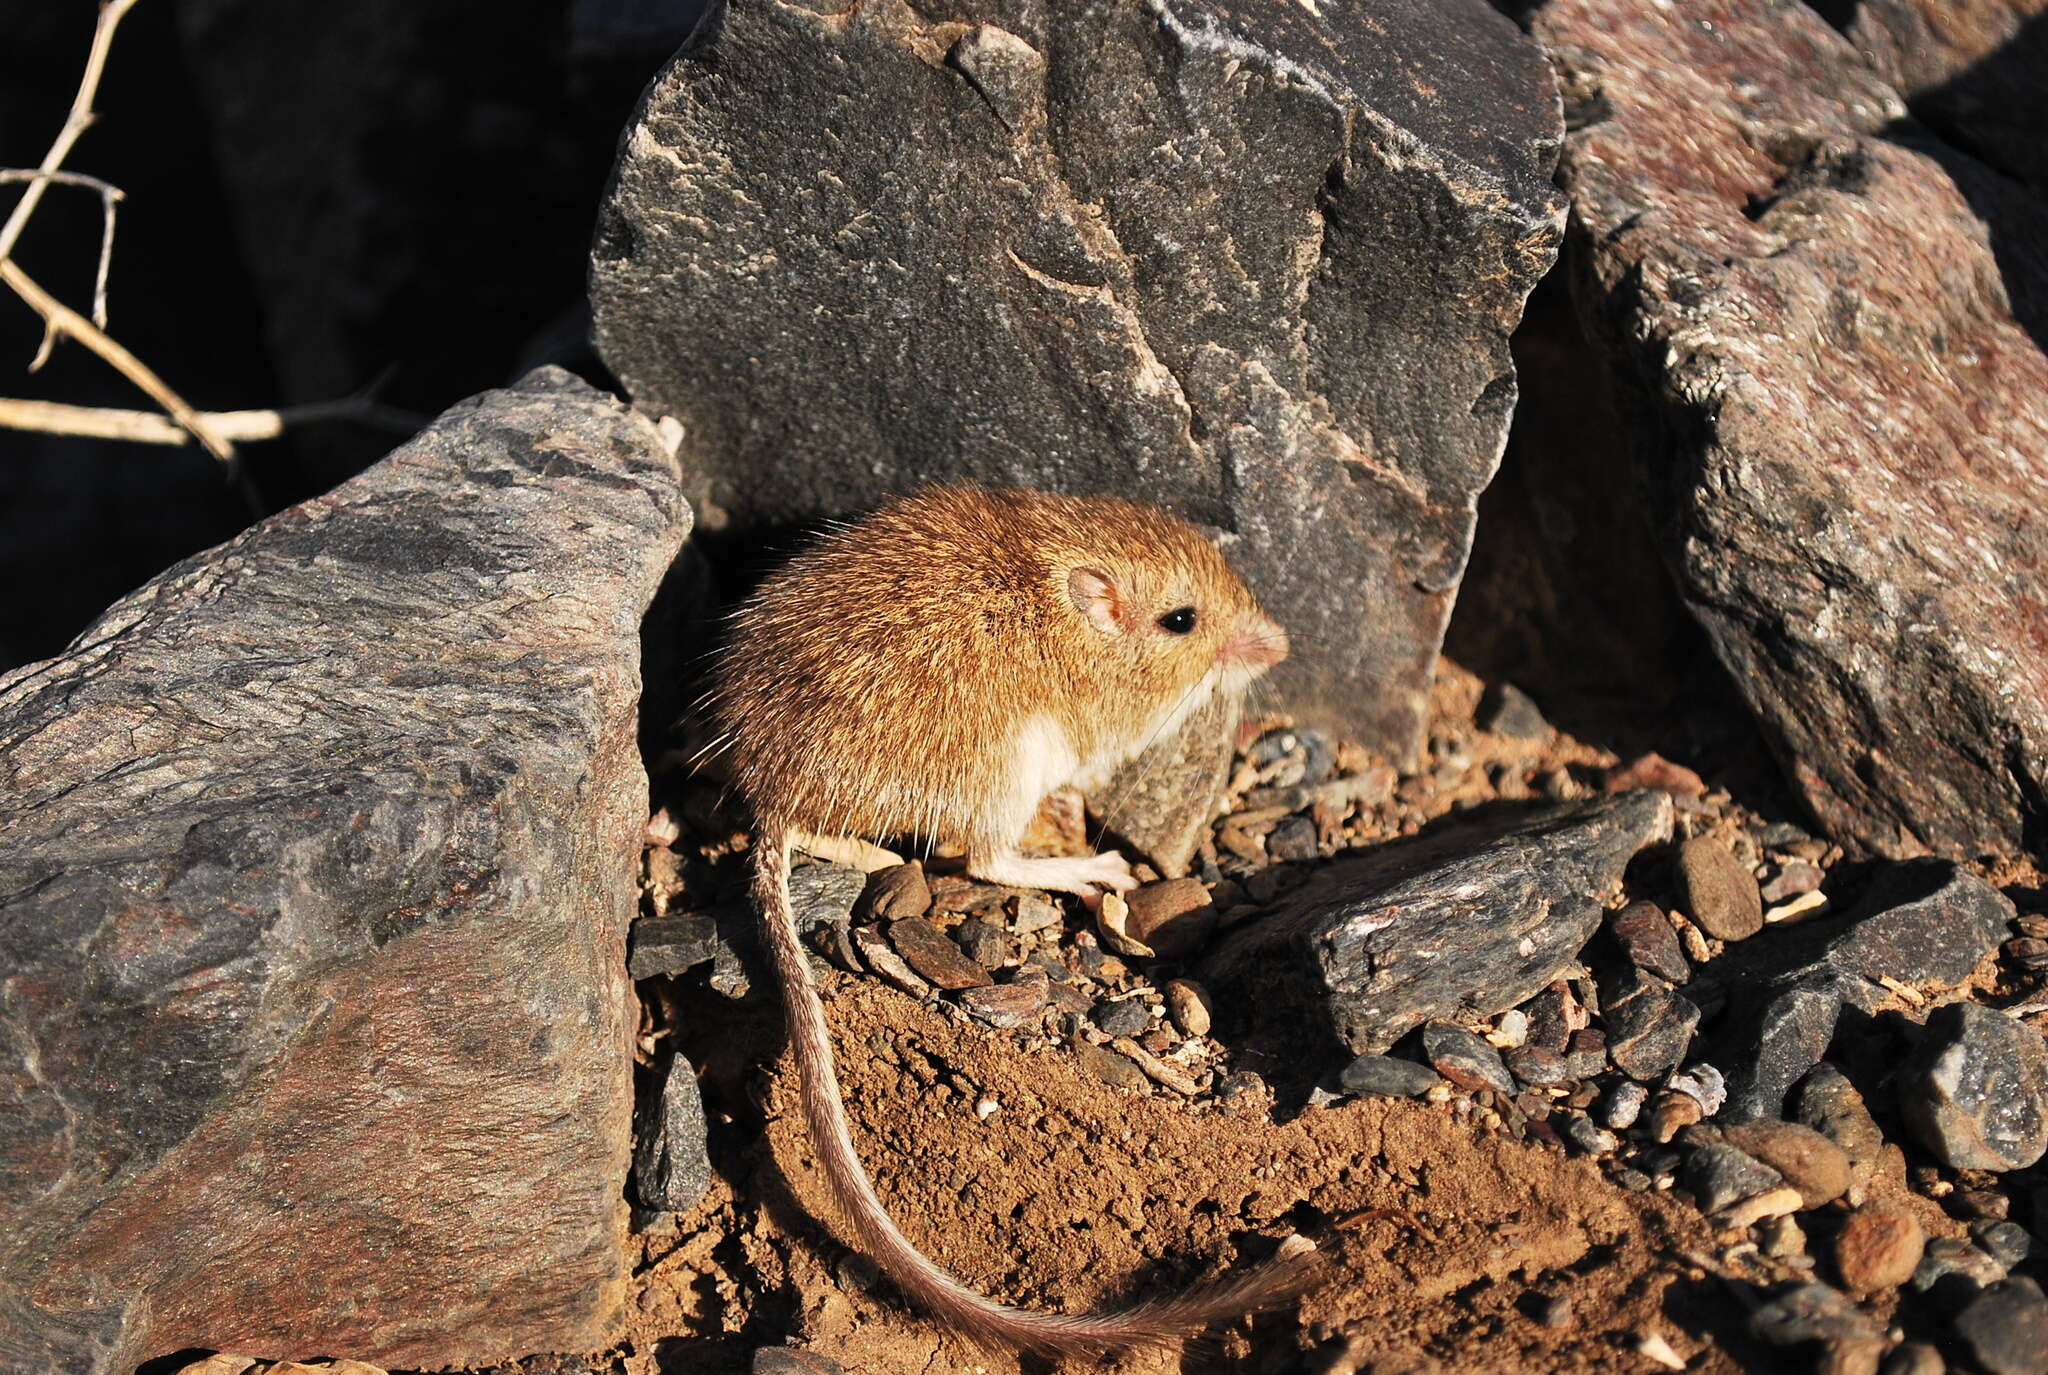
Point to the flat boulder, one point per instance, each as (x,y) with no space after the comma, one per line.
(1841,420)
(1258,260)
(317,855)
(1456,926)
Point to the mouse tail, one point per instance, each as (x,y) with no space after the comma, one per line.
(923,1281)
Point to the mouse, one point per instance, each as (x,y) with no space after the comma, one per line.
(932,672)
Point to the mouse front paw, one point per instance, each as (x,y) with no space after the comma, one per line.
(1087,877)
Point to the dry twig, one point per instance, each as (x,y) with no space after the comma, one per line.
(237,427)
(59,321)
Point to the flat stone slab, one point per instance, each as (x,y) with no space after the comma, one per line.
(316,859)
(1457,926)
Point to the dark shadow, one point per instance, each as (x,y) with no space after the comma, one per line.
(1567,595)
(176,1361)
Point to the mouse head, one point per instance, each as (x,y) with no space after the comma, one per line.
(1163,609)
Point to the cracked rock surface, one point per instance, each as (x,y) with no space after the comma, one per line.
(316,861)
(1834,356)
(1256,260)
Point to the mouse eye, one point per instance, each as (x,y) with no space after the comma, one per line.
(1178,621)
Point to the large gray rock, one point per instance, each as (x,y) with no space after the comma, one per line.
(316,860)
(1256,259)
(1843,427)
(1456,926)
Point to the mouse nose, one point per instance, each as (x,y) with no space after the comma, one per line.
(1258,644)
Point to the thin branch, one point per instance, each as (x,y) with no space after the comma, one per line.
(76,123)
(240,427)
(60,319)
(110,196)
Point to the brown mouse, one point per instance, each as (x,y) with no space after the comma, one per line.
(934,671)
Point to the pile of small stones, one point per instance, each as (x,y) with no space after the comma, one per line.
(1687,1054)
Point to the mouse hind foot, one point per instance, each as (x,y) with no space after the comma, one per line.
(1088,876)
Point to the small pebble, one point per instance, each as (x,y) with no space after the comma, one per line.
(1174,918)
(1879,1247)
(1719,892)
(2005,1329)
(1293,839)
(1650,941)
(1111,1067)
(1121,1016)
(1239,1084)
(1586,1056)
(1624,1103)
(1188,1003)
(1034,914)
(1702,1083)
(1387,1076)
(935,958)
(898,891)
(1018,1003)
(1535,1066)
(2008,1243)
(1810,1313)
(982,941)
(1948,1258)
(1656,1348)
(1793,878)
(1648,1028)
(1556,1312)
(1507,710)
(1914,1358)
(1826,1101)
(789,1360)
(1781,1238)
(1720,1175)
(1810,1163)
(1511,1030)
(1591,1139)
(1464,1058)
(1859,1357)
(1975,1091)
(887,963)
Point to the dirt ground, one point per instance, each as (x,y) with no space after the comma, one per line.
(1443,1240)
(1447,1245)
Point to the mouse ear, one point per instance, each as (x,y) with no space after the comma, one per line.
(1099,600)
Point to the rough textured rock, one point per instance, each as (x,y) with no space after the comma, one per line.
(671,1167)
(1254,259)
(1648,1027)
(1848,496)
(1162,801)
(318,856)
(1830,1104)
(1971,69)
(1975,1091)
(1776,1045)
(1460,925)
(2005,1329)
(1926,921)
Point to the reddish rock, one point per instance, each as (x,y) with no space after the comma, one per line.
(1970,68)
(1174,918)
(1844,428)
(316,860)
(1878,1247)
